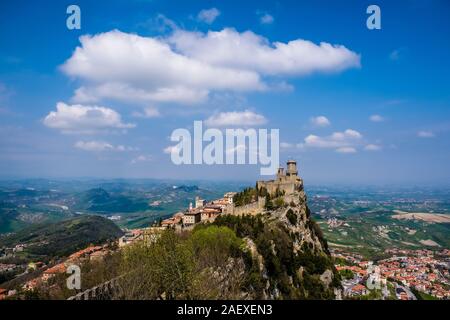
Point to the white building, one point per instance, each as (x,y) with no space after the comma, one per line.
(229,197)
(191,217)
(199,202)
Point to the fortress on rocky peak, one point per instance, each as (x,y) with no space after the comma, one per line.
(287,181)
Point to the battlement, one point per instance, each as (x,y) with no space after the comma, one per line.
(288,181)
(291,168)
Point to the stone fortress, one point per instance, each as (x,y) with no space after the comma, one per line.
(288,181)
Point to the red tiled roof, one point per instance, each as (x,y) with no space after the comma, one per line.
(59,268)
(358,287)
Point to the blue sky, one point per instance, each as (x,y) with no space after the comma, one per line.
(376,111)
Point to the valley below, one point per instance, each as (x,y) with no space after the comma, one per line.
(44,222)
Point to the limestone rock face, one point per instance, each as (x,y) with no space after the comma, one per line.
(327,277)
(291,254)
(296,218)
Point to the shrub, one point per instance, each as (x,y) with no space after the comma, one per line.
(269,204)
(244,197)
(292,217)
(279,202)
(346,274)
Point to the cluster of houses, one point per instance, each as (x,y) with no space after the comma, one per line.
(200,211)
(10,252)
(356,287)
(420,269)
(91,253)
(130,237)
(335,223)
(149,234)
(7,267)
(424,270)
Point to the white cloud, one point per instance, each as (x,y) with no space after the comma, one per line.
(349,133)
(186,67)
(394,55)
(142,158)
(425,134)
(249,51)
(100,146)
(159,23)
(245,118)
(84,119)
(128,93)
(266,19)
(94,146)
(346,150)
(376,118)
(286,145)
(340,141)
(208,15)
(149,112)
(372,147)
(147,69)
(320,121)
(170,149)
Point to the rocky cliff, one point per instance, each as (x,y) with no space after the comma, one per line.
(289,256)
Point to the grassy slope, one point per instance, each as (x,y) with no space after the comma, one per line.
(361,237)
(64,237)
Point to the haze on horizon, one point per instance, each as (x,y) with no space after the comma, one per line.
(353,106)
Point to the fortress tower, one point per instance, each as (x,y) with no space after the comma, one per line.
(292,168)
(288,182)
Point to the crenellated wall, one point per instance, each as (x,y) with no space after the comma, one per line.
(251,208)
(287,182)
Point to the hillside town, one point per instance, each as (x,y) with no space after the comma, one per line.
(200,212)
(404,272)
(44,272)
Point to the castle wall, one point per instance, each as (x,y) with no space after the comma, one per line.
(253,208)
(286,184)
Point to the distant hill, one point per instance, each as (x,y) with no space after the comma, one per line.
(138,202)
(9,220)
(63,237)
(101,201)
(96,195)
(186,188)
